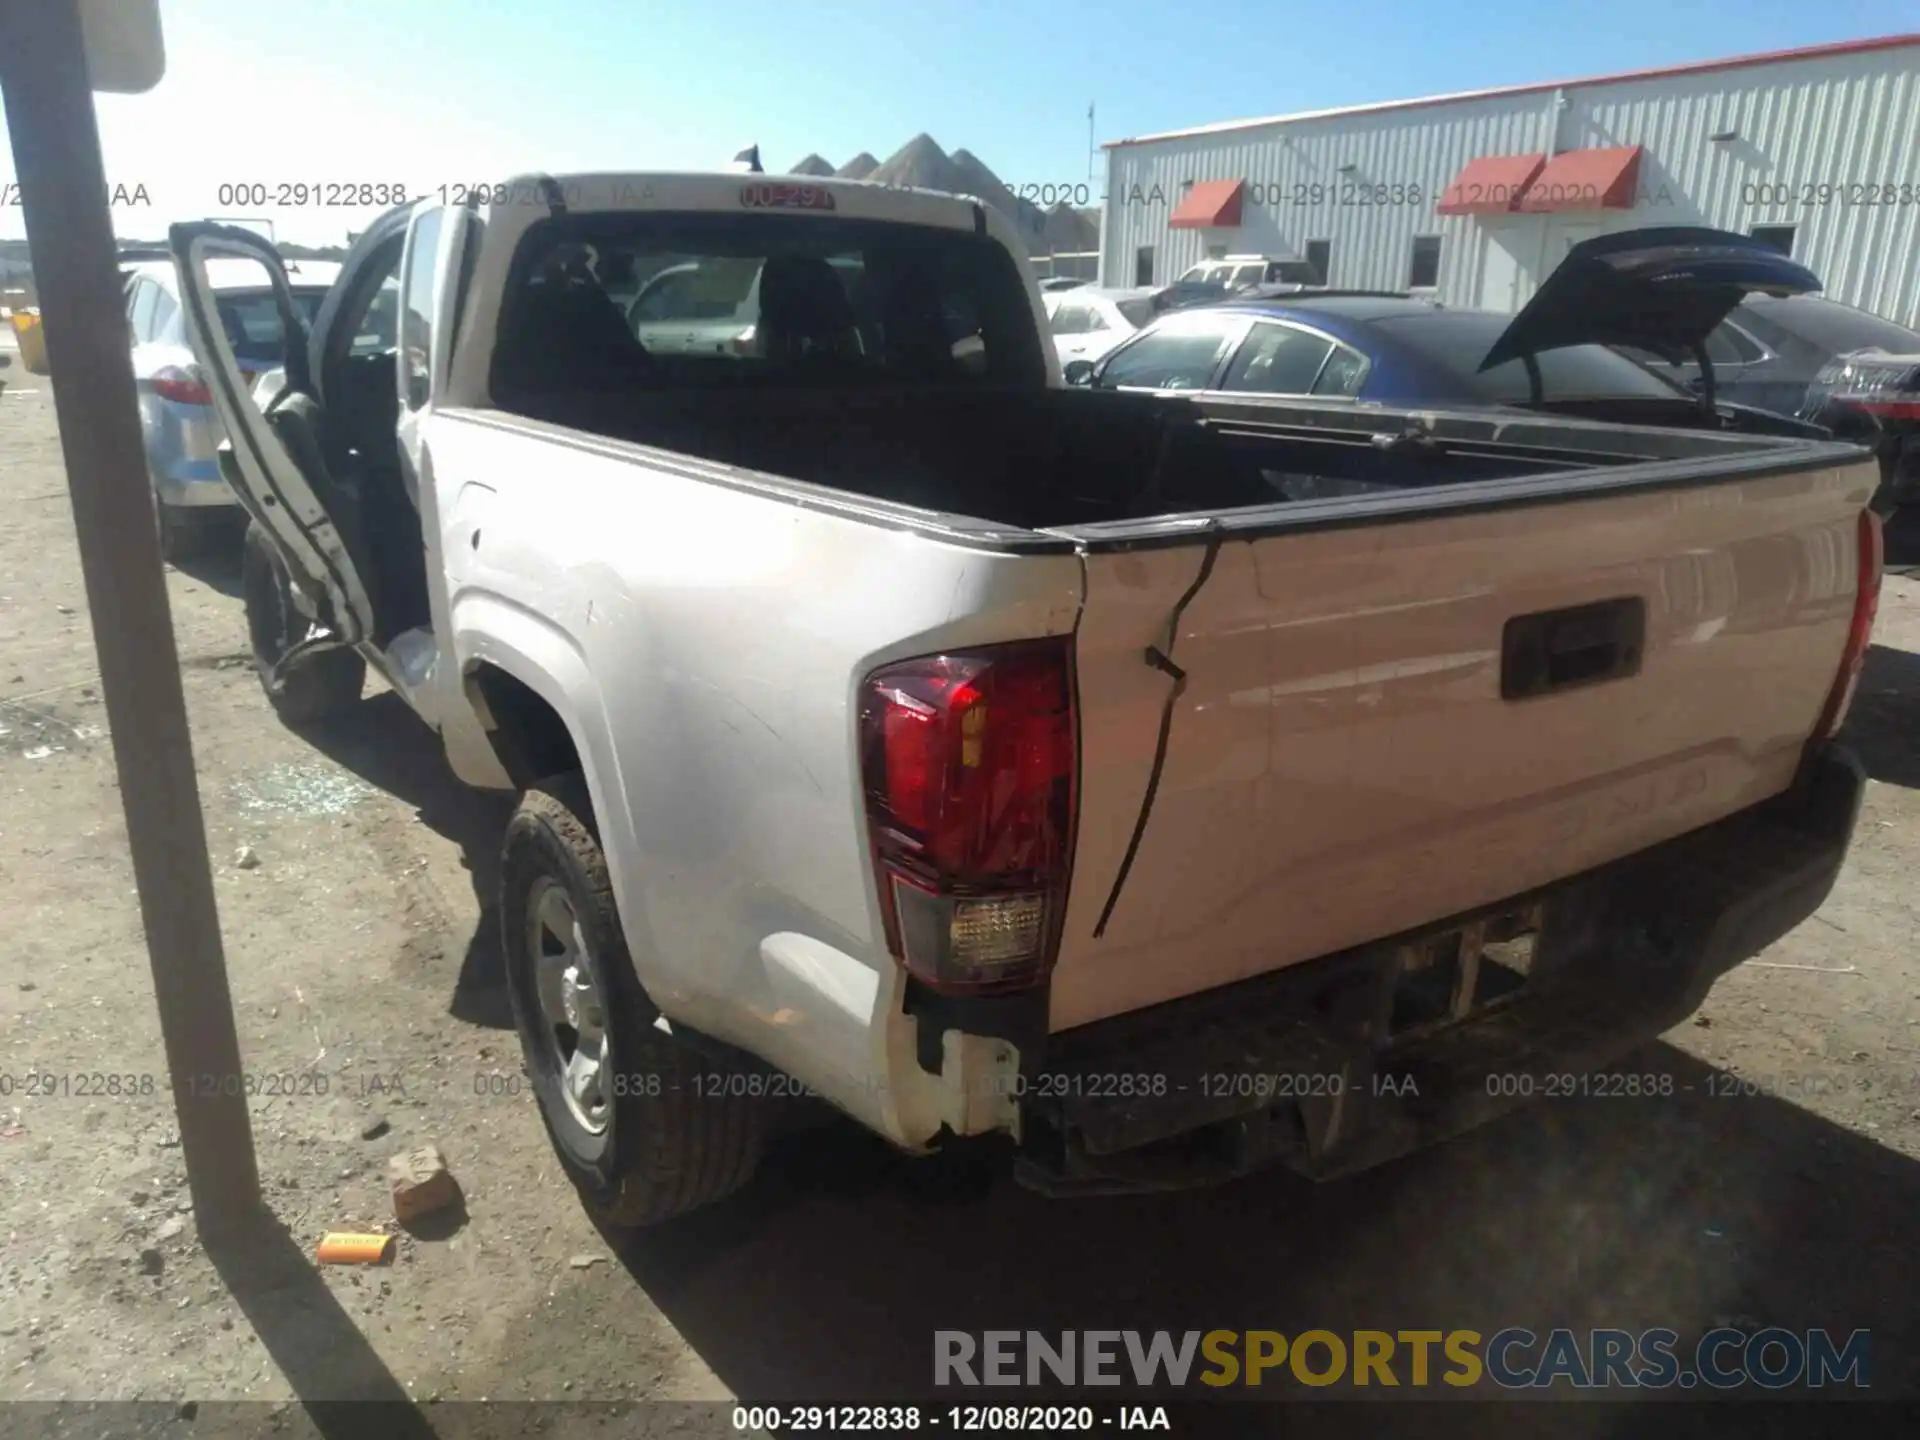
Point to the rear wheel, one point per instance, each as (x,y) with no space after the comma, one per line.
(314,686)
(635,1117)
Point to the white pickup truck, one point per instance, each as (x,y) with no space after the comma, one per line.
(1162,786)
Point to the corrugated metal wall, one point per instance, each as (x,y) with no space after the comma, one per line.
(1838,121)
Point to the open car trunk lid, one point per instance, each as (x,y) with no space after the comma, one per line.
(1341,759)
(1662,289)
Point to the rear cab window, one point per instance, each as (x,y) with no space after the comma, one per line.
(674,300)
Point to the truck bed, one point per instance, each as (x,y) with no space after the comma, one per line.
(1050,459)
(1333,584)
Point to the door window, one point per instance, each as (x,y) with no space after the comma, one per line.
(1173,358)
(416,301)
(378,330)
(1342,373)
(1278,360)
(1143,265)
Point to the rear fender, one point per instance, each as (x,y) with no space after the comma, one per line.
(490,631)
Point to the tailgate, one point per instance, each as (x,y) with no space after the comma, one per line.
(1341,764)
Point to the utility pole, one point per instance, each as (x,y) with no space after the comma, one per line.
(44,73)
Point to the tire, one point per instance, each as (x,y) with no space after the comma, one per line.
(653,1146)
(320,684)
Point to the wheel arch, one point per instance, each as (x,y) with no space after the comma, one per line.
(536,698)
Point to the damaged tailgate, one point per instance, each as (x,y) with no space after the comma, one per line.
(1356,728)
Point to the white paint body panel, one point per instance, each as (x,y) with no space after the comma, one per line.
(705,645)
(1342,766)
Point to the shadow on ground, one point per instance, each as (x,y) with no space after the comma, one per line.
(386,744)
(215,561)
(828,1278)
(317,1346)
(1883,727)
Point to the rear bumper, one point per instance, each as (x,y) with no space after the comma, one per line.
(1301,1067)
(181,455)
(193,484)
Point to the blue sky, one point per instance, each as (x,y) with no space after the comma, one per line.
(428,92)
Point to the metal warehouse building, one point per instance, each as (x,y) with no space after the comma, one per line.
(1475,197)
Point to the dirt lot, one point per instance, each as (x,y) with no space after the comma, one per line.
(362,949)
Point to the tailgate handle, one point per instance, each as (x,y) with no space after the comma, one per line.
(1564,649)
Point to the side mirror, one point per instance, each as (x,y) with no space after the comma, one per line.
(1078,372)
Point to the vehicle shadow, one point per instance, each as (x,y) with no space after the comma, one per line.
(828,1277)
(215,562)
(1883,727)
(388,746)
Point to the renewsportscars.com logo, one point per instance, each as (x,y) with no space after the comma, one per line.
(1513,1359)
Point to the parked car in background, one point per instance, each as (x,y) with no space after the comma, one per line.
(177,419)
(1844,368)
(1062,282)
(1874,397)
(1665,290)
(1213,280)
(1087,323)
(712,306)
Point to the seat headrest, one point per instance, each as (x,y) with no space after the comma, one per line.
(804,310)
(560,333)
(914,326)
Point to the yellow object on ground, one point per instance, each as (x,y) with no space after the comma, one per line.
(33,343)
(339,1249)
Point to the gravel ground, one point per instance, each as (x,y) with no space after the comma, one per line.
(361,950)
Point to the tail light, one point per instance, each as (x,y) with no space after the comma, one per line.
(182,386)
(1866,604)
(969,762)
(1895,405)
(1887,388)
(746,342)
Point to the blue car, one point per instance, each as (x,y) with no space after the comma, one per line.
(1650,292)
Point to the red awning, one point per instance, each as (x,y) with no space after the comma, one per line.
(1210,205)
(1600,179)
(1491,185)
